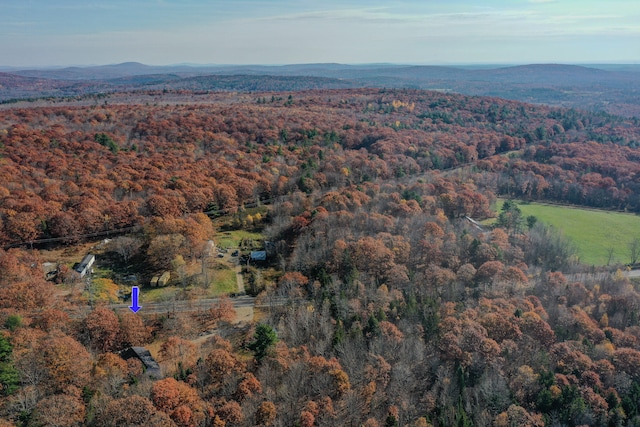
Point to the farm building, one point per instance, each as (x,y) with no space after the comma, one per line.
(151,367)
(85,265)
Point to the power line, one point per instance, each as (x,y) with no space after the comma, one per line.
(76,236)
(124,230)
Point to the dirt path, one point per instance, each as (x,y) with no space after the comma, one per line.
(240,280)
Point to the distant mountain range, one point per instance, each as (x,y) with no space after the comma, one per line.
(611,88)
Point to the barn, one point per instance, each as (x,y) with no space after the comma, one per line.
(85,265)
(151,367)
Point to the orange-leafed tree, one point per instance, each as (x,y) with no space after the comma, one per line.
(307,419)
(59,410)
(178,352)
(266,414)
(133,331)
(52,319)
(65,360)
(111,372)
(231,413)
(249,386)
(517,415)
(132,411)
(164,249)
(222,310)
(221,367)
(179,400)
(103,329)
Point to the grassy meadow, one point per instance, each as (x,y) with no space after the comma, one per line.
(223,281)
(591,231)
(233,239)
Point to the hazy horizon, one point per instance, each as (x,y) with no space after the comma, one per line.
(37,33)
(196,66)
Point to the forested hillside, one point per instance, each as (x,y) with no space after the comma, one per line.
(609,88)
(78,170)
(389,308)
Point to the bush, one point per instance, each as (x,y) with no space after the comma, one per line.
(13,322)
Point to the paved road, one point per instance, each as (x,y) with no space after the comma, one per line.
(176,306)
(242,302)
(186,305)
(633,273)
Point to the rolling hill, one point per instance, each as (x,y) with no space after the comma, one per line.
(611,89)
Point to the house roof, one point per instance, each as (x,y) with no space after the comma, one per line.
(152,367)
(87,260)
(259,255)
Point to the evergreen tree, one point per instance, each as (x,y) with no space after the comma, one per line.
(264,338)
(9,377)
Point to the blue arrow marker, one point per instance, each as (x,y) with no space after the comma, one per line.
(134,299)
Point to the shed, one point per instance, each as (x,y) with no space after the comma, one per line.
(85,265)
(151,367)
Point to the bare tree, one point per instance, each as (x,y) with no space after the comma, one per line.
(610,251)
(126,246)
(548,248)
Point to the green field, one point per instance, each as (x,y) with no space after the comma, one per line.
(223,282)
(591,231)
(221,278)
(232,239)
(158,294)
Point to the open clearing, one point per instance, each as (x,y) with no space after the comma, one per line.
(592,231)
(223,281)
(235,238)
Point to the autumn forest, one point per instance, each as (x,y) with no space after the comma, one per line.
(385,300)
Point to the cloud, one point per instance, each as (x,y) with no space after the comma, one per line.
(362,15)
(385,15)
(349,32)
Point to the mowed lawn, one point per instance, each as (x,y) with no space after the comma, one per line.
(223,282)
(232,239)
(591,231)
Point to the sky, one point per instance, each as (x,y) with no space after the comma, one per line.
(162,32)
